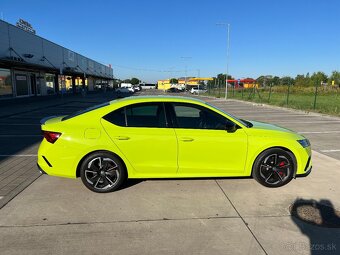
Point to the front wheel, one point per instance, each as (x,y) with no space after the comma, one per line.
(274,167)
(102,172)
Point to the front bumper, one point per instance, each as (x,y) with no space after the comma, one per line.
(308,171)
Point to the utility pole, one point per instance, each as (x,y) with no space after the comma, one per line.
(227,25)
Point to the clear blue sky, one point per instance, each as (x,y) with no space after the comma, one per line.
(267,37)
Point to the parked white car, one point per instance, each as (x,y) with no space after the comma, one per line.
(124,90)
(196,90)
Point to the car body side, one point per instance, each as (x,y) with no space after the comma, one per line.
(85,134)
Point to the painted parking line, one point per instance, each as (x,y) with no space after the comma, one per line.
(336,150)
(20,135)
(18,155)
(1,197)
(320,132)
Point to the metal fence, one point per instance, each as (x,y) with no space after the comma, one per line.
(323,99)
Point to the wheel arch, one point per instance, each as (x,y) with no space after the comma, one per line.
(276,147)
(95,151)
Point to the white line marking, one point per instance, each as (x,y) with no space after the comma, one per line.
(337,150)
(18,124)
(18,155)
(1,197)
(320,132)
(20,135)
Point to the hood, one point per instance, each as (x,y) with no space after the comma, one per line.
(267,126)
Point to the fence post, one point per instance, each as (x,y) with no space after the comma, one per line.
(315,95)
(219,88)
(242,92)
(234,90)
(270,92)
(288,91)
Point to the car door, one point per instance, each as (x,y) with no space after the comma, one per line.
(205,148)
(140,131)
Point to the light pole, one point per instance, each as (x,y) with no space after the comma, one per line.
(228,43)
(186,71)
(198,81)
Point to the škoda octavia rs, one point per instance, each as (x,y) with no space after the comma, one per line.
(167,137)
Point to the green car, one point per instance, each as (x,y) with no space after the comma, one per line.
(168,137)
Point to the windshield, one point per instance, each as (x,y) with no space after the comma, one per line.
(244,122)
(72,115)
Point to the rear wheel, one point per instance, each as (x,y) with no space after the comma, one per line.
(274,167)
(102,172)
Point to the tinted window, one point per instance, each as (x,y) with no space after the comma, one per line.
(197,117)
(117,117)
(139,115)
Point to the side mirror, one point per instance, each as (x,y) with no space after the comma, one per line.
(231,127)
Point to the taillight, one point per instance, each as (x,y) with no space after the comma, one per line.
(51,137)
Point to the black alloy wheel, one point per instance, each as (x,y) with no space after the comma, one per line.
(102,172)
(274,167)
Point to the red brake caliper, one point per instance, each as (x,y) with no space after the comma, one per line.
(282,164)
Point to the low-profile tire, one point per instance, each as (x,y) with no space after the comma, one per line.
(102,172)
(274,167)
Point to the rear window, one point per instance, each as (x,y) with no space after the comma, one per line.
(85,111)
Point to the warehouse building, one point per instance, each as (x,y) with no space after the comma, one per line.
(33,66)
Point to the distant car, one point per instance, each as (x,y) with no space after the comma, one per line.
(168,137)
(124,90)
(136,88)
(173,90)
(196,90)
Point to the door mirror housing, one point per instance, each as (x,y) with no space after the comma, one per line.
(231,127)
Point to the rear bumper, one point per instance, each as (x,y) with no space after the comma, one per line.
(40,169)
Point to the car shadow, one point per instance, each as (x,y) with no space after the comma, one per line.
(320,222)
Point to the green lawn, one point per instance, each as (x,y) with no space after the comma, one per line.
(327,100)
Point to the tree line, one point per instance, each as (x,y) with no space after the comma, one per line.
(303,80)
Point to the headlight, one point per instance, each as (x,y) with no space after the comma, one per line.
(304,143)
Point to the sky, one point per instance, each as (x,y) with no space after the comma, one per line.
(156,39)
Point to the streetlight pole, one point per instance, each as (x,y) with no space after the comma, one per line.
(186,71)
(228,44)
(198,81)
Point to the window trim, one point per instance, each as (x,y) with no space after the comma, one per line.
(172,111)
(159,104)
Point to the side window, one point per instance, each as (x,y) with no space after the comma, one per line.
(139,115)
(117,117)
(197,117)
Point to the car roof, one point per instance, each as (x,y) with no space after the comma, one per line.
(160,98)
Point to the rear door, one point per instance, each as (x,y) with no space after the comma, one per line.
(141,133)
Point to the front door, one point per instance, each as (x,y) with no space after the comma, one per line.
(35,84)
(205,148)
(140,131)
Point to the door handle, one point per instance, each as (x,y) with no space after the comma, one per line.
(186,139)
(122,137)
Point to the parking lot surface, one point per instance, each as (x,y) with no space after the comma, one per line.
(194,216)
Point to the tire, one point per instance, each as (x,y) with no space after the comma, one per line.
(274,167)
(102,172)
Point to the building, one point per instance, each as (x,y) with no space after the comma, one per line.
(188,82)
(33,66)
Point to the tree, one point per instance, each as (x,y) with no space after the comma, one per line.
(276,80)
(174,81)
(127,81)
(286,80)
(134,81)
(318,77)
(335,76)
